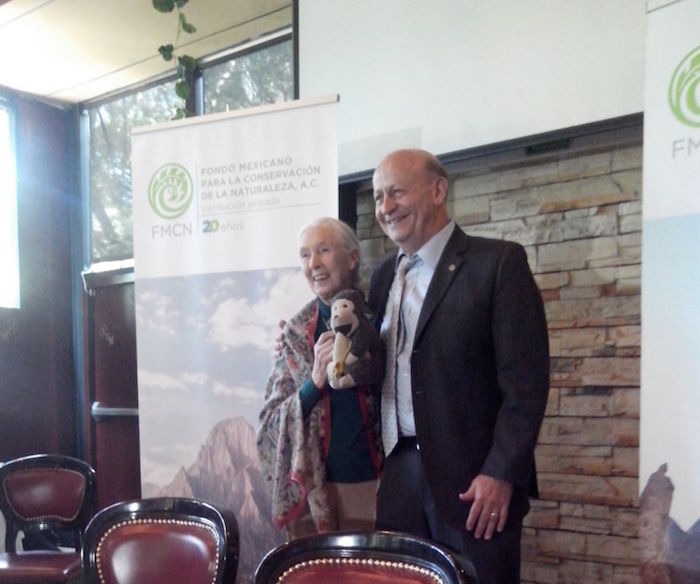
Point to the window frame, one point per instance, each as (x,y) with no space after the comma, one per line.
(285,34)
(12,218)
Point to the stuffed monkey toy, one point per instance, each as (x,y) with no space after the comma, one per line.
(358,353)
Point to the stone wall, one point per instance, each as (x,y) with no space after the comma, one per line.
(578,214)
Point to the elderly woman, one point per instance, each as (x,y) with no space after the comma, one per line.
(319,447)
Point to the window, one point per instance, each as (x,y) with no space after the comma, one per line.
(258,75)
(256,78)
(110,127)
(9,251)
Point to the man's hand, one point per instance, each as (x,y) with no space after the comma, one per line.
(490,498)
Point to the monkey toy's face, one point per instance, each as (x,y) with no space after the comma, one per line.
(343,317)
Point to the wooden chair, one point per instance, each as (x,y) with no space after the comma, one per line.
(44,495)
(161,541)
(379,557)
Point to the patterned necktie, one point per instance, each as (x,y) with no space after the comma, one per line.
(390,430)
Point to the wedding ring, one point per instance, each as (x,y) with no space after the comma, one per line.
(493,514)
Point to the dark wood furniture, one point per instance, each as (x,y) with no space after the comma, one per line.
(363,558)
(161,541)
(110,420)
(44,495)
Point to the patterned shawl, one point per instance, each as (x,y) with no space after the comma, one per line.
(291,449)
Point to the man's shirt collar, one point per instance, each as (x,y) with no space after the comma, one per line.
(432,249)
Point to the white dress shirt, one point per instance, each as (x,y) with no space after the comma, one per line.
(422,266)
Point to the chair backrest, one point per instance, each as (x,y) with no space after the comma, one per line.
(363,557)
(46,493)
(161,540)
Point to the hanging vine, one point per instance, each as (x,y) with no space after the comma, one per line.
(186,65)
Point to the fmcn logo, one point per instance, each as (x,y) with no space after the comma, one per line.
(684,90)
(170,191)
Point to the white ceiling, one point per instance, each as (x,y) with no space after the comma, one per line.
(78,50)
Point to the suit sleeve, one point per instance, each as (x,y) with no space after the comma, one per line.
(521,350)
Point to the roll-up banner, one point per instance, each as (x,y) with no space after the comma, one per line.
(218,201)
(669,472)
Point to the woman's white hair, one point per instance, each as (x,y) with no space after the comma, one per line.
(343,234)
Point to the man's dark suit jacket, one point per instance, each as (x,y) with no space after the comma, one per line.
(479,370)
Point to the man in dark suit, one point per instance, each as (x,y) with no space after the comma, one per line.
(467,376)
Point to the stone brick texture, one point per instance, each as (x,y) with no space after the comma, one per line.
(578,214)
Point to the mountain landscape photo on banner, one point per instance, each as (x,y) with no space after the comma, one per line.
(205,352)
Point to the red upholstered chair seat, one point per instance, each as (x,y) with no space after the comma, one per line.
(39,566)
(163,540)
(47,497)
(355,571)
(45,493)
(165,551)
(363,557)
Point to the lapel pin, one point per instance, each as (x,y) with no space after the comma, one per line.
(452,267)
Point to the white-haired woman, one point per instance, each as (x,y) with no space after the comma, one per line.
(320,447)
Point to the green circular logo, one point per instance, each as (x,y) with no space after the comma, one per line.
(684,90)
(170,191)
